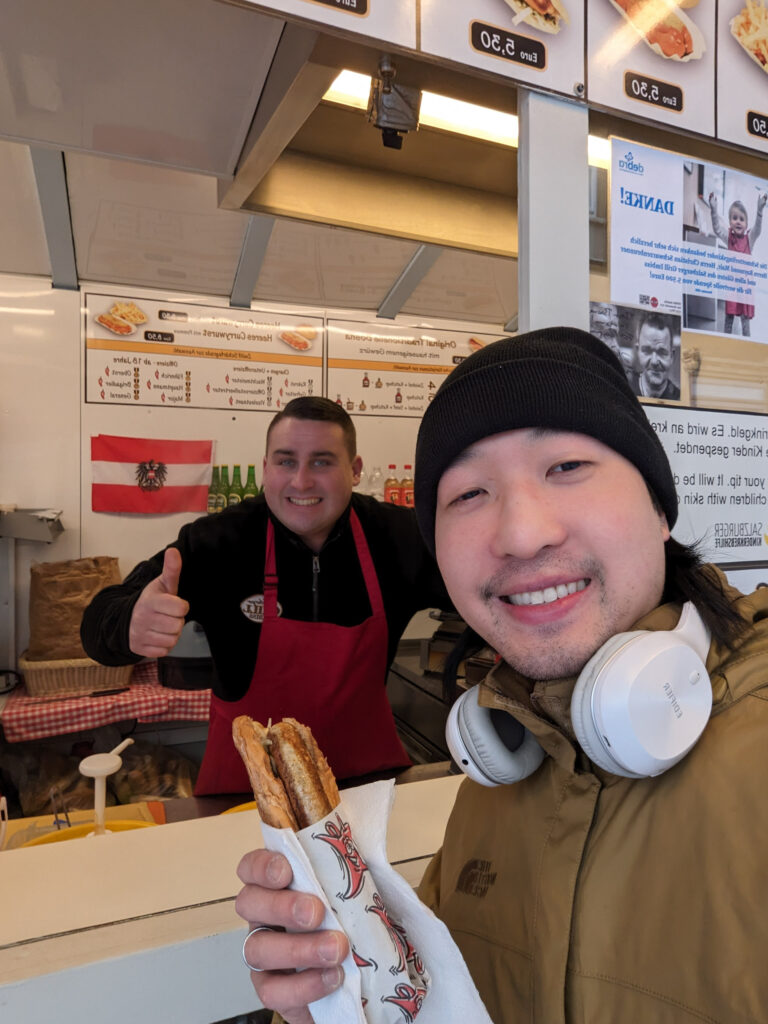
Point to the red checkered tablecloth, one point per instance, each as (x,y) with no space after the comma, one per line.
(32,718)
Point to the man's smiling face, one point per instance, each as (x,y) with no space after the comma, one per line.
(549,544)
(308,477)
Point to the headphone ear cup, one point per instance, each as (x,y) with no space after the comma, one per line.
(477,743)
(582,717)
(643,700)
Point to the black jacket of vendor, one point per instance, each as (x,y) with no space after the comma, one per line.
(222,578)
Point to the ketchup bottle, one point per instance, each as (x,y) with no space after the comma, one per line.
(406,487)
(392,487)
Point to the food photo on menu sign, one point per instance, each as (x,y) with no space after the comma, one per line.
(121,318)
(655,59)
(540,41)
(742,73)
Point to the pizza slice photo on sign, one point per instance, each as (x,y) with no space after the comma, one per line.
(545,15)
(664,26)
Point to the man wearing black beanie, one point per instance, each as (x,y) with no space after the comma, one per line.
(605,859)
(549,502)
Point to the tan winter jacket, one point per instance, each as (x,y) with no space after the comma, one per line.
(580,897)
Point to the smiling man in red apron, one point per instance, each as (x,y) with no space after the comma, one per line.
(303,594)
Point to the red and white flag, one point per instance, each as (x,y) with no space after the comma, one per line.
(143,474)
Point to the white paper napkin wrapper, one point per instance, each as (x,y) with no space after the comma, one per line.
(334,863)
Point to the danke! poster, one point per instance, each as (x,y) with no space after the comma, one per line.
(688,238)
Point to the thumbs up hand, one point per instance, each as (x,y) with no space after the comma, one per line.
(158,615)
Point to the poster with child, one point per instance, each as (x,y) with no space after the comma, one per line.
(727,208)
(737,236)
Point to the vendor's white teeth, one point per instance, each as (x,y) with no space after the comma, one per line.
(304,501)
(548,595)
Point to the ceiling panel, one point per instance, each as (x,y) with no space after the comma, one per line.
(348,137)
(330,266)
(167,81)
(469,286)
(151,106)
(23,249)
(151,226)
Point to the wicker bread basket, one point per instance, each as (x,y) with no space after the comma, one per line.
(71,677)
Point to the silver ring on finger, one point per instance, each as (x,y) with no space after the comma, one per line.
(259,928)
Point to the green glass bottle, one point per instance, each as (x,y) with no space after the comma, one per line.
(213,490)
(236,487)
(222,496)
(251,488)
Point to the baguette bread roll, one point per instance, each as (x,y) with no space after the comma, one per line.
(327,778)
(291,780)
(271,798)
(299,774)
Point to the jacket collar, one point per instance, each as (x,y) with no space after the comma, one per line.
(293,538)
(543,706)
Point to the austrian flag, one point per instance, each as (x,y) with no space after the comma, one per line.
(145,475)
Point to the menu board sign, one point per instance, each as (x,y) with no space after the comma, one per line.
(660,68)
(378,370)
(742,74)
(510,37)
(144,352)
(696,65)
(392,21)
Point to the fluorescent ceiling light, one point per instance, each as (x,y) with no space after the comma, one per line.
(451,115)
(351,89)
(598,151)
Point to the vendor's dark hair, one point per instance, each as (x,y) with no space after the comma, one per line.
(313,407)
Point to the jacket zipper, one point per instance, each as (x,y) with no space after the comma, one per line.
(315,587)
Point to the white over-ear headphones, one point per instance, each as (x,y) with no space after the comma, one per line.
(639,705)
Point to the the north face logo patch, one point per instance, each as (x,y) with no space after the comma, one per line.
(476,878)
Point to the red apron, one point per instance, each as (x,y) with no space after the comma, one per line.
(329,677)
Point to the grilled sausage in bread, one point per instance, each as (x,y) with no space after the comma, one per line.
(664,27)
(300,338)
(300,789)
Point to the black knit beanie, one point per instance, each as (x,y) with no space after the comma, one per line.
(558,377)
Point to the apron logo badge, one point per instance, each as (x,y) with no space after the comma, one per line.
(253,607)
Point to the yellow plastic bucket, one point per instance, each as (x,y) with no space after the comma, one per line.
(250,806)
(80,831)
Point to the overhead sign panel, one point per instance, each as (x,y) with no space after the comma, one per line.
(654,61)
(392,21)
(742,73)
(511,38)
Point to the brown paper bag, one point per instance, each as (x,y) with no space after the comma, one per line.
(59,592)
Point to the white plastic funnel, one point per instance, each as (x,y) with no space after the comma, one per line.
(98,767)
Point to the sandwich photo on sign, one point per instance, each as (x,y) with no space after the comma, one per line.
(545,15)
